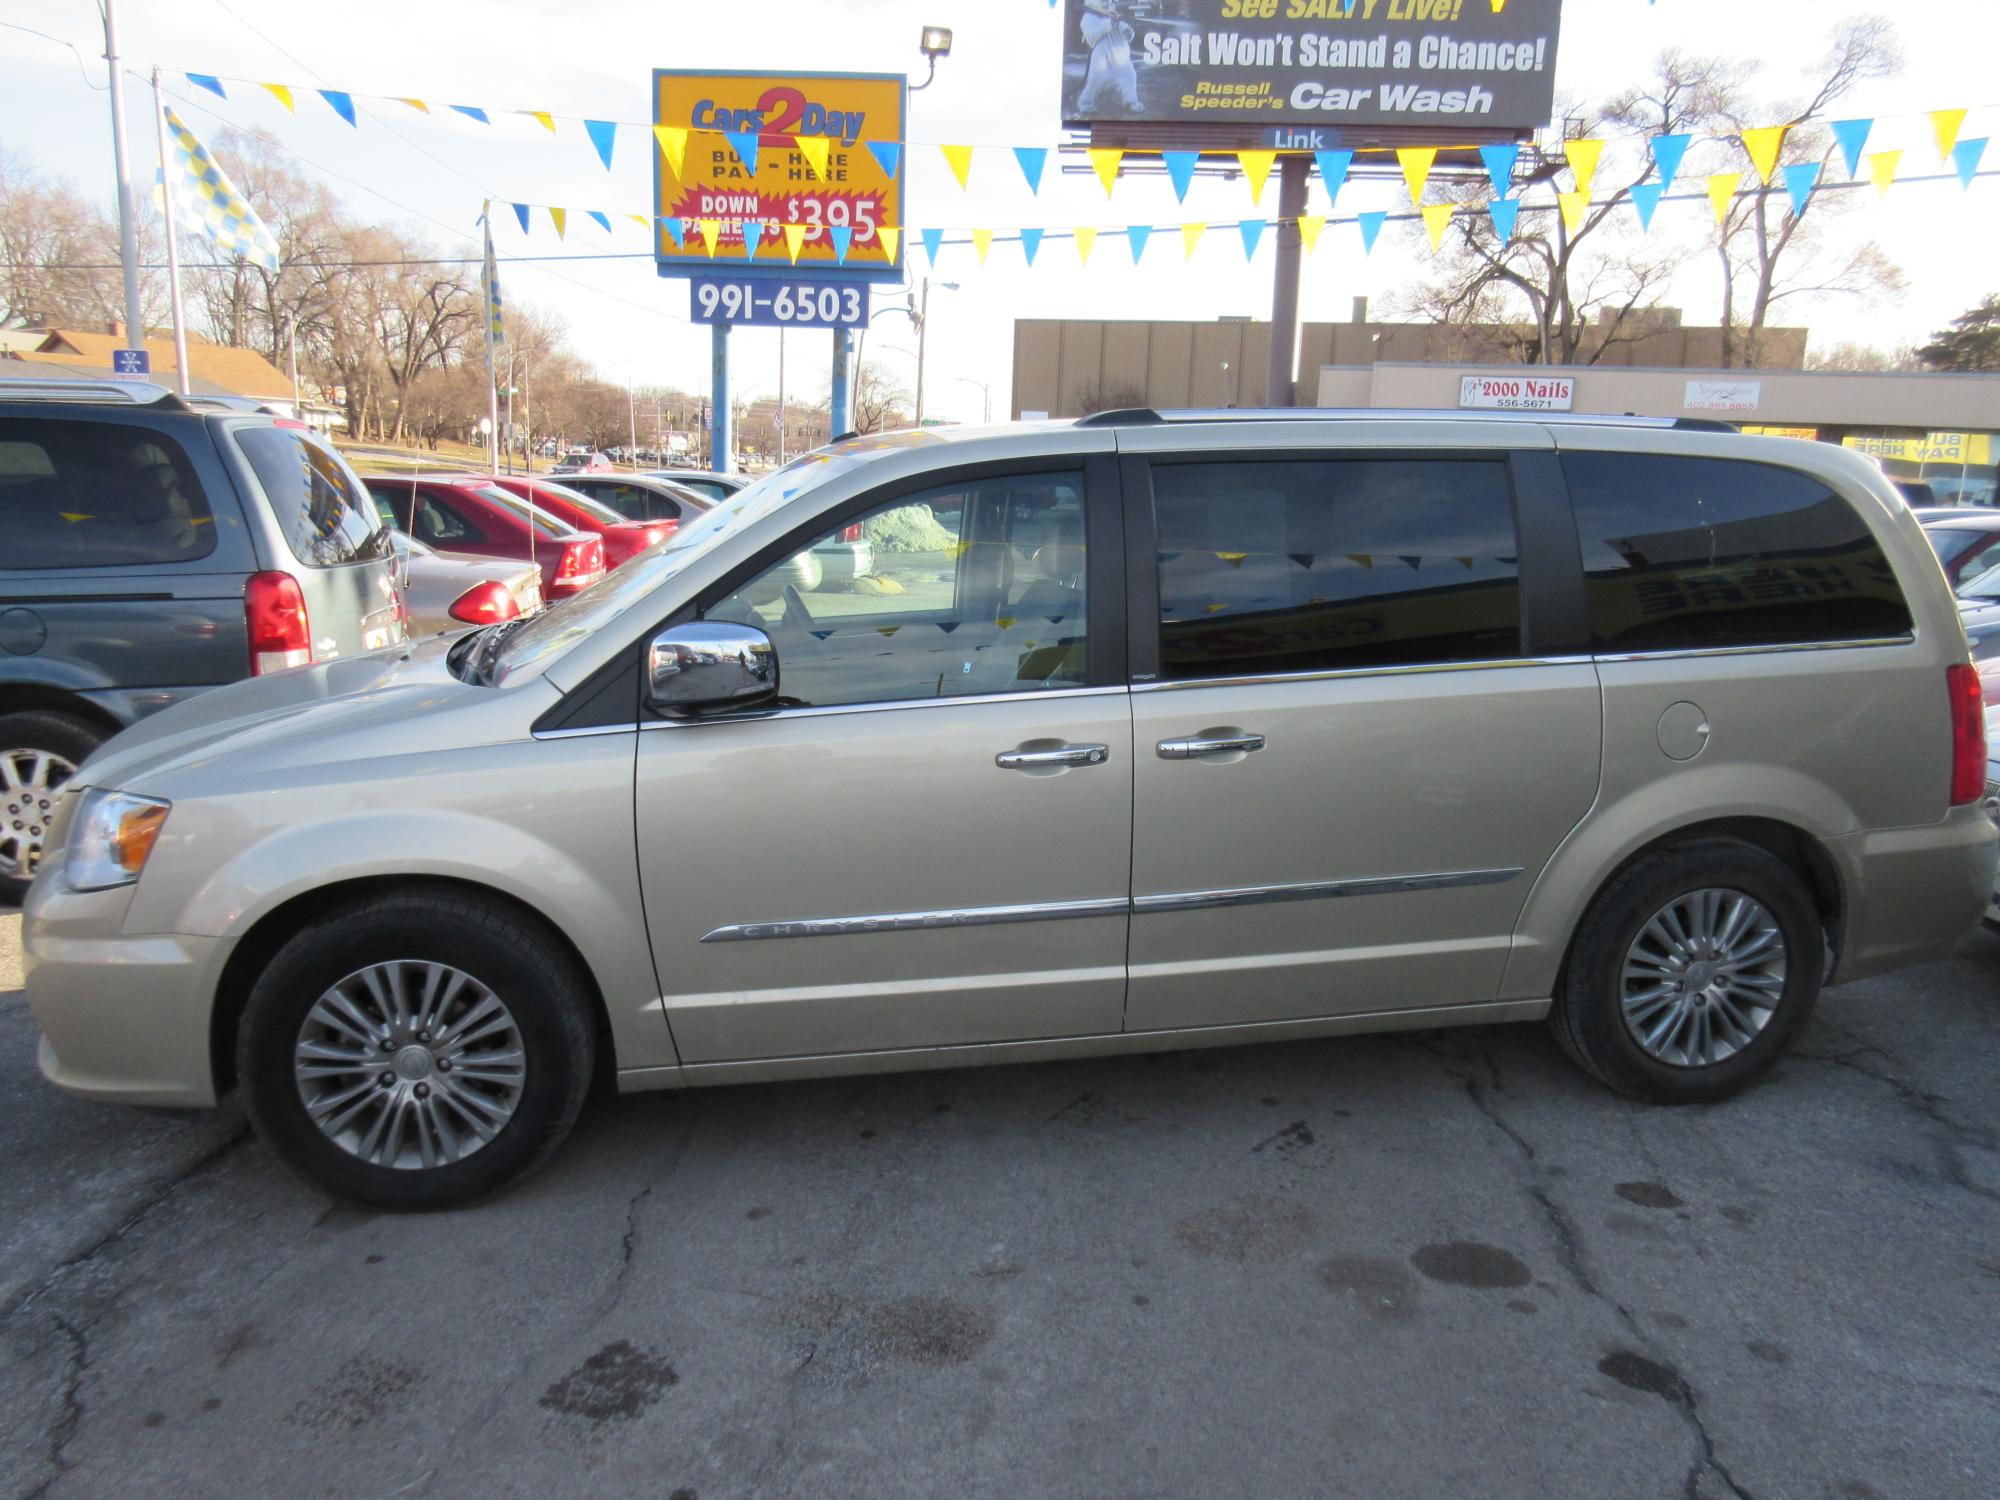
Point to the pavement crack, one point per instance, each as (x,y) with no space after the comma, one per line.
(1950,1138)
(63,1431)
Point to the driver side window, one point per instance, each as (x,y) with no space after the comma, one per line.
(964,589)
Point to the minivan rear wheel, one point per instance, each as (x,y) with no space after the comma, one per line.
(417,1050)
(1690,972)
(39,751)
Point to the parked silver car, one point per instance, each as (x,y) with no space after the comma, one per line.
(446,592)
(1153,732)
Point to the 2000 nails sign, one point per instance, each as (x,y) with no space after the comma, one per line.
(1318,62)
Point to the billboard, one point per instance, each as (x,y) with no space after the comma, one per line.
(1330,63)
(859,192)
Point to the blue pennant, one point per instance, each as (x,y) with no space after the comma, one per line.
(887,155)
(842,235)
(1032,159)
(603,222)
(1031,241)
(342,102)
(1333,167)
(1371,225)
(207,81)
(472,112)
(744,144)
(1965,158)
(1800,180)
(1138,234)
(521,213)
(1252,231)
(678,230)
(1499,162)
(753,235)
(603,135)
(1504,211)
(1668,150)
(1852,136)
(1180,167)
(1646,198)
(933,238)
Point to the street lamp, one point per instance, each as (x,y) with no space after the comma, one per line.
(934,43)
(985,393)
(923,322)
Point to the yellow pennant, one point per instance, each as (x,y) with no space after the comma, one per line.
(891,240)
(1436,217)
(281,93)
(1085,238)
(1366,559)
(1583,157)
(1722,192)
(1234,559)
(1763,145)
(560,218)
(416,104)
(673,145)
(1191,236)
(1309,227)
(711,230)
(982,241)
(814,148)
(1257,168)
(795,237)
(1416,164)
(641,220)
(1944,125)
(548,120)
(1104,161)
(960,158)
(1573,206)
(1882,169)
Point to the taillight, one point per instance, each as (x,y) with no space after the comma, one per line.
(484,603)
(580,559)
(851,533)
(280,633)
(1968,734)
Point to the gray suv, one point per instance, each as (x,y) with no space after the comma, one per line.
(1141,732)
(153,550)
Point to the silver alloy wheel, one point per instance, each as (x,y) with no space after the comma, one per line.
(410,1064)
(1703,977)
(30,786)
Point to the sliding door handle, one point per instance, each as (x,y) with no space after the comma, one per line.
(1057,759)
(1190,749)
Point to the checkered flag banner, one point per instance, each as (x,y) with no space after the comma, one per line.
(496,327)
(208,202)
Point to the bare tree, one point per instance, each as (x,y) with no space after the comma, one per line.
(881,400)
(1851,356)
(59,265)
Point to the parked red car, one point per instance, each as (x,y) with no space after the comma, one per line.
(624,538)
(463,515)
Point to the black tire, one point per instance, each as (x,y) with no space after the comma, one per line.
(60,734)
(1588,1017)
(525,969)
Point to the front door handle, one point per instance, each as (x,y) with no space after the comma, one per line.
(1189,749)
(1055,759)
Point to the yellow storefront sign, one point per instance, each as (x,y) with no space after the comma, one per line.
(1807,434)
(1954,449)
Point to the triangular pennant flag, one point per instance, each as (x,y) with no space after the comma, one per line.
(548,120)
(1436,217)
(641,220)
(1722,192)
(1365,559)
(1944,125)
(207,81)
(1033,160)
(795,238)
(1180,167)
(1800,180)
(1464,562)
(416,104)
(933,239)
(677,228)
(1234,559)
(711,231)
(1965,158)
(1583,157)
(960,158)
(1309,227)
(1882,169)
(1371,226)
(560,218)
(1031,241)
(1504,211)
(1257,169)
(814,148)
(603,135)
(1085,238)
(888,155)
(842,236)
(1668,151)
(744,144)
(892,241)
(753,236)
(1104,162)
(1137,235)
(1646,198)
(1852,136)
(1252,231)
(1763,144)
(521,213)
(1416,563)
(342,102)
(1190,237)
(281,93)
(1499,162)
(472,112)
(1416,164)
(1303,559)
(673,146)
(1573,206)
(1333,167)
(982,241)
(603,221)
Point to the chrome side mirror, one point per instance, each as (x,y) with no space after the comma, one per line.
(710,664)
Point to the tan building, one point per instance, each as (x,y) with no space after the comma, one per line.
(213,369)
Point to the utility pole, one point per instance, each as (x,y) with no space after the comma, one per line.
(632,416)
(923,328)
(1278,386)
(174,253)
(781,395)
(128,223)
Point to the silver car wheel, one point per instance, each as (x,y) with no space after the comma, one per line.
(410,1064)
(1703,977)
(30,786)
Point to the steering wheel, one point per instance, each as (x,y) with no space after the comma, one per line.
(797,616)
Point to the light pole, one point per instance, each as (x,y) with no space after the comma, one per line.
(986,396)
(923,330)
(128,211)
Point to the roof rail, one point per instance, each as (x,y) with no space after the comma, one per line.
(102,392)
(1146,416)
(1126,416)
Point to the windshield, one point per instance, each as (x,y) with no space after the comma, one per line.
(1982,586)
(546,522)
(597,510)
(1952,542)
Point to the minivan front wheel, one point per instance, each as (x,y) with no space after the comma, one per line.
(1690,971)
(417,1050)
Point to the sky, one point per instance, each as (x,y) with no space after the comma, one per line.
(998,88)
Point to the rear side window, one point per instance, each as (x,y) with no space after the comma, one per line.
(1309,566)
(1685,553)
(97,495)
(322,508)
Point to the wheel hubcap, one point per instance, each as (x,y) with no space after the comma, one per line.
(30,787)
(410,1064)
(1703,977)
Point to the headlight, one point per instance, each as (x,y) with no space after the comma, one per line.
(111,836)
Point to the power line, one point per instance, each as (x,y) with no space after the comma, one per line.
(81,67)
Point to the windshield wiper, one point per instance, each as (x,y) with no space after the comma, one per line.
(486,655)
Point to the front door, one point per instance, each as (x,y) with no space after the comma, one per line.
(1348,777)
(927,842)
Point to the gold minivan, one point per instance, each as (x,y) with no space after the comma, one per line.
(1136,732)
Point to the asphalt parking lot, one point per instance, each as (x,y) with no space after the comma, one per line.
(1434,1265)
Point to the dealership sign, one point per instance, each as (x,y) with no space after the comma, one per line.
(1311,62)
(1517,392)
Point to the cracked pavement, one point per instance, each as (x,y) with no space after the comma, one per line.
(1443,1264)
